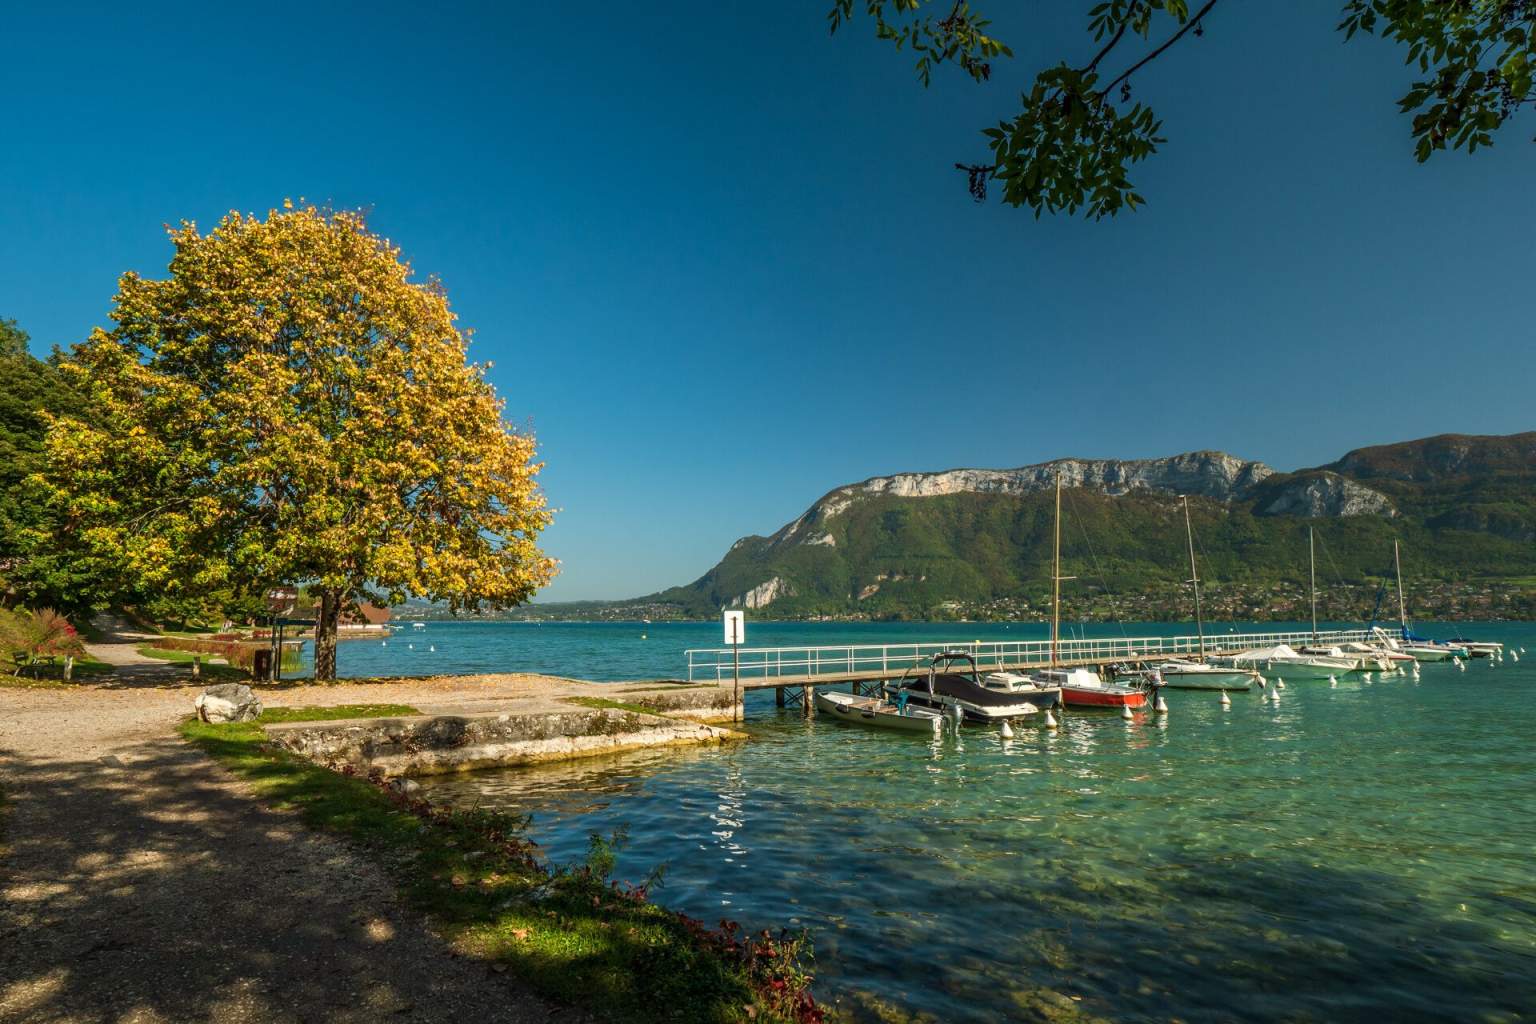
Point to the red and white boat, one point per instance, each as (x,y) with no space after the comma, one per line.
(1081,687)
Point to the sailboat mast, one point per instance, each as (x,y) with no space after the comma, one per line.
(1194,577)
(1056,575)
(1402,604)
(1312,579)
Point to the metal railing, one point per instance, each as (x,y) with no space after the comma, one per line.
(885,660)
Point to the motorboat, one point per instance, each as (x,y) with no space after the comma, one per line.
(879,714)
(1478,648)
(1283,660)
(1364,661)
(1198,675)
(949,681)
(1374,658)
(1081,687)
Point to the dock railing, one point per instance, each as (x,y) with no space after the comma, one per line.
(762,664)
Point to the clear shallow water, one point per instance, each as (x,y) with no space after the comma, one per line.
(1358,853)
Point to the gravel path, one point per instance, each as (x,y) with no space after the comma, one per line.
(140,883)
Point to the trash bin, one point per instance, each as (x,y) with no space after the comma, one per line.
(261,664)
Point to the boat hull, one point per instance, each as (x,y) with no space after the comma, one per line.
(1234,679)
(843,707)
(1091,697)
(1304,669)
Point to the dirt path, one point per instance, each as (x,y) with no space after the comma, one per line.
(141,883)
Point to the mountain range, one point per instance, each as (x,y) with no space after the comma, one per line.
(976,543)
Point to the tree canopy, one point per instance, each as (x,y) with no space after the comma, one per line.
(1078,129)
(288,406)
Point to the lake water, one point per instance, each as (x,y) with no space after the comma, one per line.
(1363,852)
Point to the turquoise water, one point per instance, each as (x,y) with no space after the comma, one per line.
(1362,852)
(631,650)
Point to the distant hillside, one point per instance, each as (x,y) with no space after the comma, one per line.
(977,542)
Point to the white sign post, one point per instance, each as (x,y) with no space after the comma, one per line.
(735,623)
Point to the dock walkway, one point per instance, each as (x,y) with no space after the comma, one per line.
(763,668)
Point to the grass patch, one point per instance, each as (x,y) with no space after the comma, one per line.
(340,711)
(570,933)
(617,705)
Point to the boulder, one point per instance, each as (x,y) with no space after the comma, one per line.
(228,702)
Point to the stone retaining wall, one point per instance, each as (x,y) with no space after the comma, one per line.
(446,743)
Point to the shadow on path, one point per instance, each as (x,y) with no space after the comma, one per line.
(147,886)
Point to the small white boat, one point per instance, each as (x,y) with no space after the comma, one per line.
(1478,648)
(1281,660)
(877,713)
(1197,675)
(418,625)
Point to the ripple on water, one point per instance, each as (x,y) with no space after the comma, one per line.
(1352,853)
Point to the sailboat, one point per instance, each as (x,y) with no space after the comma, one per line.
(1198,674)
(1283,660)
(1080,687)
(1417,646)
(1364,659)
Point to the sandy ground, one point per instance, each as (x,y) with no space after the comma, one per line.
(141,883)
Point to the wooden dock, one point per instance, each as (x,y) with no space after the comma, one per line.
(795,671)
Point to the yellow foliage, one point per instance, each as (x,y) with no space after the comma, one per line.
(289,406)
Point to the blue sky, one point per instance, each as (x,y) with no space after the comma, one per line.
(722,262)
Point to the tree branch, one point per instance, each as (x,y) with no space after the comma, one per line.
(1128,72)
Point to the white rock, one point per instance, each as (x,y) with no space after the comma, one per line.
(228,702)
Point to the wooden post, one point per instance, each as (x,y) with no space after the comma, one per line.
(809,699)
(778,696)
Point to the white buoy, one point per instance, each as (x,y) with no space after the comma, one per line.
(1226,701)
(1161,707)
(410,647)
(1461,665)
(642,636)
(1125,712)
(432,648)
(1367,677)
(383,643)
(1050,719)
(1006,730)
(1515,655)
(1279,683)
(1262,683)
(1335,679)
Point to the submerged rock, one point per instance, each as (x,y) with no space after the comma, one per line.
(228,702)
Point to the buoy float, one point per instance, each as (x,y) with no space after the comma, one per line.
(1367,677)
(1006,730)
(432,648)
(1226,701)
(410,647)
(1125,712)
(1161,707)
(1050,719)
(1279,683)
(1515,655)
(383,643)
(1333,682)
(1461,665)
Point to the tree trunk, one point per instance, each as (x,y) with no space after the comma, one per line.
(325,637)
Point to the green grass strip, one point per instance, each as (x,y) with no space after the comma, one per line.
(341,711)
(617,705)
(568,933)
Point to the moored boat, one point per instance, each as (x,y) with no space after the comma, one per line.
(1081,687)
(1282,660)
(1198,675)
(1478,648)
(950,682)
(877,713)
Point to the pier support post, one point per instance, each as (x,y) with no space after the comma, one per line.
(778,696)
(807,707)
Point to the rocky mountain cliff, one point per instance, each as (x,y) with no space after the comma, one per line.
(910,543)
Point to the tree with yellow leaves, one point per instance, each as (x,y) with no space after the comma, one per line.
(288,406)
